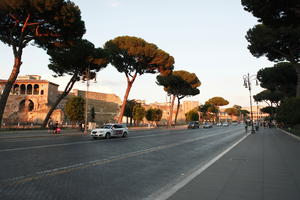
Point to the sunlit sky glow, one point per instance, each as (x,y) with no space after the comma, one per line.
(204,37)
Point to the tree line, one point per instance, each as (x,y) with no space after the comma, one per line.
(57,27)
(277,36)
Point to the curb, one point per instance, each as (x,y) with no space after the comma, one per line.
(38,136)
(290,134)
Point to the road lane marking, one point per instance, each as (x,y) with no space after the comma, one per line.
(167,192)
(82,142)
(83,165)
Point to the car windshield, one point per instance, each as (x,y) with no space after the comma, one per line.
(106,126)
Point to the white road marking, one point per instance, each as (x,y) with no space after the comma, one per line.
(74,143)
(165,193)
(82,165)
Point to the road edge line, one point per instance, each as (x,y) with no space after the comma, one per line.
(290,134)
(185,181)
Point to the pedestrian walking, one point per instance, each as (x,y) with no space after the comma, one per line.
(246,127)
(56,129)
(50,125)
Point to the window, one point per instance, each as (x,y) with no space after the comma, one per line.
(23,89)
(42,92)
(29,89)
(36,89)
(16,89)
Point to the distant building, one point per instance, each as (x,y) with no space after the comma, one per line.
(257,114)
(184,107)
(189,105)
(30,100)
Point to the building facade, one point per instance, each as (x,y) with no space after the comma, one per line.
(31,98)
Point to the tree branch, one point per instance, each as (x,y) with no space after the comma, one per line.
(25,23)
(15,18)
(44,34)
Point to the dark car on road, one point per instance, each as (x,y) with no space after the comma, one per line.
(207,125)
(193,124)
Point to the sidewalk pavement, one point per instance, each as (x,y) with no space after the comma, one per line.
(264,166)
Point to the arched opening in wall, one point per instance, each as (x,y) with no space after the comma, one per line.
(42,92)
(23,89)
(16,89)
(36,89)
(22,106)
(29,89)
(30,105)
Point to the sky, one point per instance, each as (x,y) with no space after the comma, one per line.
(204,37)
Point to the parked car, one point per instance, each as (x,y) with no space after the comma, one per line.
(110,130)
(225,124)
(193,124)
(219,124)
(207,125)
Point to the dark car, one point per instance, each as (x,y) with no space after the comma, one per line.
(193,124)
(207,125)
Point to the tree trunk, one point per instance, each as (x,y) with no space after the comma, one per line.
(178,105)
(171,111)
(67,90)
(12,78)
(298,80)
(129,85)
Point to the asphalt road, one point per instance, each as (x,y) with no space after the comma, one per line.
(136,167)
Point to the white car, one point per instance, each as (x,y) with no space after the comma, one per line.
(110,130)
(225,124)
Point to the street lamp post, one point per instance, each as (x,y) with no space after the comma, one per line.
(86,99)
(247,83)
(257,110)
(88,76)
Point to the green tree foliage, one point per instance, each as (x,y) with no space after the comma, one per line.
(238,108)
(180,84)
(75,60)
(269,110)
(269,97)
(204,109)
(42,23)
(154,115)
(279,78)
(138,113)
(245,113)
(192,115)
(232,111)
(134,56)
(277,37)
(74,109)
(216,102)
(274,13)
(289,112)
(129,109)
